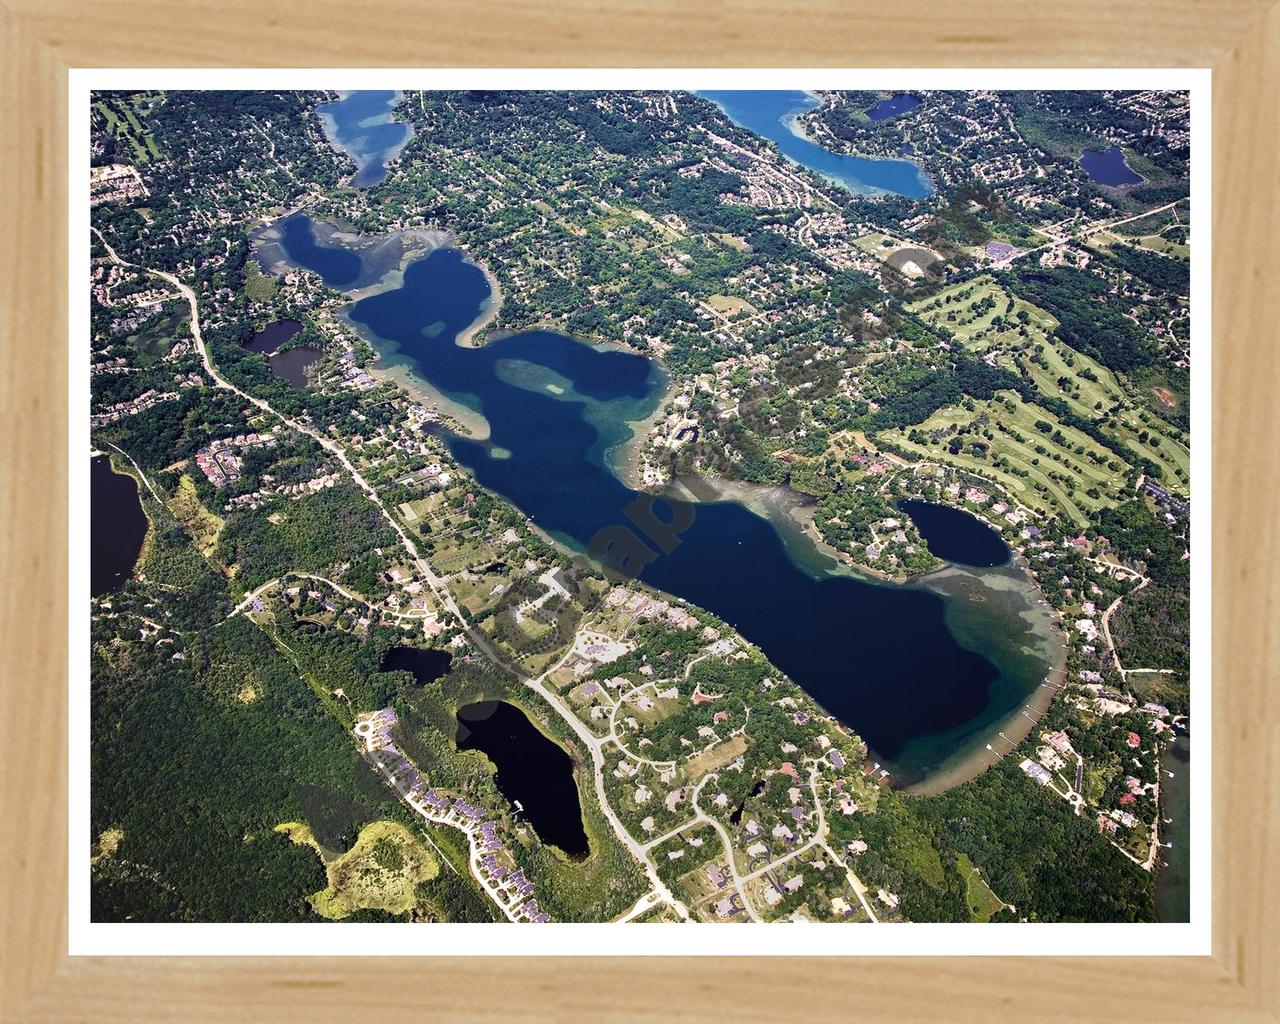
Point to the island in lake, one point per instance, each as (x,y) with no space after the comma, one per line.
(632,507)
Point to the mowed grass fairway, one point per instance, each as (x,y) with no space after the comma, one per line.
(126,120)
(1027,346)
(1045,474)
(969,308)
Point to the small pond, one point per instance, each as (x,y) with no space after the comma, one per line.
(291,364)
(425,663)
(534,773)
(955,535)
(1108,167)
(273,336)
(893,106)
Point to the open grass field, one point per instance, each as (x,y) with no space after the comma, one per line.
(717,757)
(1155,241)
(656,709)
(982,902)
(729,304)
(380,872)
(203,525)
(875,243)
(477,594)
(663,229)
(1048,471)
(258,287)
(456,553)
(733,241)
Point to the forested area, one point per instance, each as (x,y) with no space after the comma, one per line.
(917,394)
(1163,272)
(1034,852)
(1152,627)
(319,531)
(196,775)
(1088,319)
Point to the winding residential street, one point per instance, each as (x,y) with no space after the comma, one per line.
(437,585)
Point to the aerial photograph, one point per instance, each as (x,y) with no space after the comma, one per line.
(639,506)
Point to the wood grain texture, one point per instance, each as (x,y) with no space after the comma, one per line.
(33,524)
(38,40)
(1246,427)
(653,33)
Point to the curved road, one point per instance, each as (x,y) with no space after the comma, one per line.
(478,640)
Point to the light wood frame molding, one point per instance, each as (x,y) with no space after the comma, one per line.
(41,39)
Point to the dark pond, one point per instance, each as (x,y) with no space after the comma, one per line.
(893,106)
(1108,167)
(1173,881)
(117,527)
(534,773)
(361,125)
(273,336)
(771,114)
(955,535)
(291,364)
(426,664)
(887,660)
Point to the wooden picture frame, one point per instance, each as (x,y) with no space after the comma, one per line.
(1239,39)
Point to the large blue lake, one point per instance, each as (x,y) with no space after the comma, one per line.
(771,113)
(925,675)
(360,124)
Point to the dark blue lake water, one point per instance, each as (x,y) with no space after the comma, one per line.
(769,113)
(273,336)
(533,771)
(338,267)
(883,659)
(1108,167)
(893,106)
(360,125)
(425,663)
(117,527)
(955,535)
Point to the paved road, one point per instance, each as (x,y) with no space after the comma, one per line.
(445,598)
(739,882)
(1091,228)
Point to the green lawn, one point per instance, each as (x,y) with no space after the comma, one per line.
(1030,347)
(982,902)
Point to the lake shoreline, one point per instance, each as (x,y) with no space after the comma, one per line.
(784,545)
(469,337)
(967,765)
